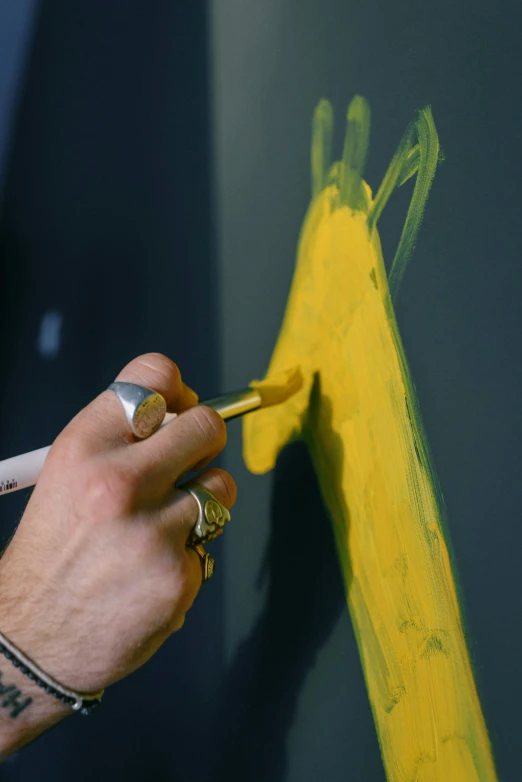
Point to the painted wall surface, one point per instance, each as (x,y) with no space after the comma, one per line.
(459,318)
(123,160)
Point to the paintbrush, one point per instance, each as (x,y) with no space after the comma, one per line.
(21,472)
(260,393)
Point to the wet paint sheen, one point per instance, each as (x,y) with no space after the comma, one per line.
(358,414)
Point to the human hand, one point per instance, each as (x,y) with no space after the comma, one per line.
(98,575)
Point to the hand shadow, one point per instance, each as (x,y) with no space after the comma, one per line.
(305,599)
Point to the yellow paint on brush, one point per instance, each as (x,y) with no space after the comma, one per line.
(278,388)
(358,413)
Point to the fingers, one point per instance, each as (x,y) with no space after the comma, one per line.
(195,568)
(156,371)
(103,424)
(176,520)
(179,513)
(194,437)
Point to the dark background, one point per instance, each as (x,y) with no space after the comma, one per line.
(155,176)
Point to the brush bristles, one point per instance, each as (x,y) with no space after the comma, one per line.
(279,387)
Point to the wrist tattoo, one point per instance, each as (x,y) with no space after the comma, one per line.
(79,702)
(9,698)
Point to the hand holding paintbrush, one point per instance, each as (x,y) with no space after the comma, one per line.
(21,472)
(107,558)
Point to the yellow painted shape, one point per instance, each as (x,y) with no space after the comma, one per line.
(358,414)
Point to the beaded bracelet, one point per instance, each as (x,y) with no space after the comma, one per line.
(77,701)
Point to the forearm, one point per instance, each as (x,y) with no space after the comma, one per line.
(26,710)
(35,652)
(26,619)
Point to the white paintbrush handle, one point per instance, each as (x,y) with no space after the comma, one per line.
(19,472)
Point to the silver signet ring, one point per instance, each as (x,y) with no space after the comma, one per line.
(212,515)
(144,409)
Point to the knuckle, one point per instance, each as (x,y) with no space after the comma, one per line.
(209,426)
(69,447)
(178,622)
(108,490)
(182,585)
(154,369)
(227,486)
(163,365)
(178,593)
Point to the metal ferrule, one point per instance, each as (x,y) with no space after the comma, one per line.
(235,404)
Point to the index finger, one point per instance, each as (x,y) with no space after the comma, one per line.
(102,424)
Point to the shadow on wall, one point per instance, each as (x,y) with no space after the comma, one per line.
(304,602)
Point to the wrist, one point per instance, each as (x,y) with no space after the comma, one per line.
(41,626)
(27,706)
(26,710)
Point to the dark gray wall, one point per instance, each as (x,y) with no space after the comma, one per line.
(106,223)
(16,26)
(458,312)
(110,174)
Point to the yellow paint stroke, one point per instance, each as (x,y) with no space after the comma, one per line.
(358,414)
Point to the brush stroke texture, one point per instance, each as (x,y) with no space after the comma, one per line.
(357,412)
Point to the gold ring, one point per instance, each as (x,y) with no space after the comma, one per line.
(207,562)
(212,515)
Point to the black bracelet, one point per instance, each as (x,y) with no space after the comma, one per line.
(77,701)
